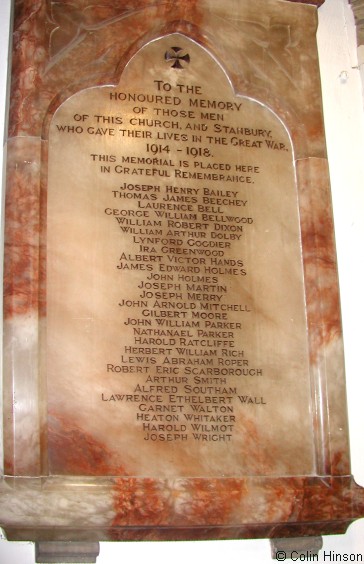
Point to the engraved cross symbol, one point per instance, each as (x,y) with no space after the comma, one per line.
(178,56)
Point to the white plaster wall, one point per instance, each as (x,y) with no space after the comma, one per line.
(344,117)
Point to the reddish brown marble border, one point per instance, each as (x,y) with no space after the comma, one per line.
(317,3)
(211,509)
(50,49)
(82,42)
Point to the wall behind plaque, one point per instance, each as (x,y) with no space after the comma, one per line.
(344,118)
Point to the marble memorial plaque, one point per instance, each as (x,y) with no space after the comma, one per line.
(173,356)
(174,276)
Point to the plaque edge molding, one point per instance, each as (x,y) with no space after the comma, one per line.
(133,529)
(357,7)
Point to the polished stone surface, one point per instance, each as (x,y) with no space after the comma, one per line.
(306,548)
(73,552)
(77,466)
(247,278)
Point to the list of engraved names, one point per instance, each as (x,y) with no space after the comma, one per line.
(183,214)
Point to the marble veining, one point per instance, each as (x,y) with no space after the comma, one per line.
(59,50)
